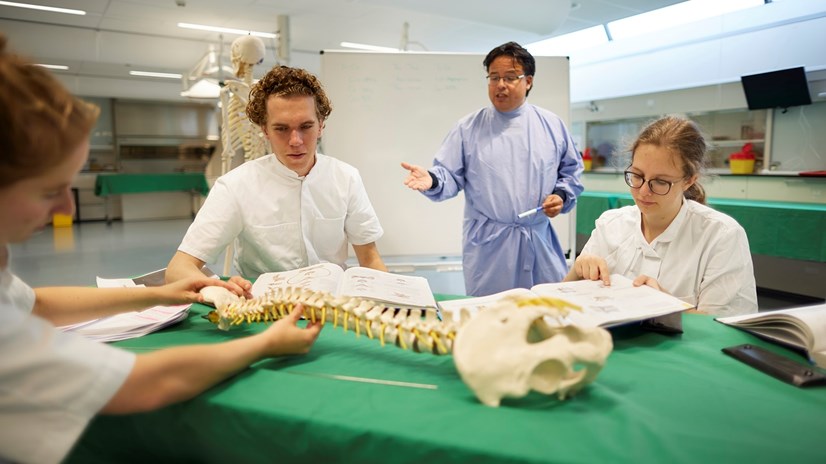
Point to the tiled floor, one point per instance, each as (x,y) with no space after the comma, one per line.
(76,255)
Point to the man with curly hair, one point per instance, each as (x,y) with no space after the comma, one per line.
(287,210)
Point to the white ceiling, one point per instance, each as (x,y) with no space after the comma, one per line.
(118,35)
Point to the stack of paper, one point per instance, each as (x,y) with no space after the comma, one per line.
(128,325)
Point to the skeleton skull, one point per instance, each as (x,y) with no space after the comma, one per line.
(509,349)
(246,51)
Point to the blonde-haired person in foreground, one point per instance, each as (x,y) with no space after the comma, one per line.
(52,383)
(670,239)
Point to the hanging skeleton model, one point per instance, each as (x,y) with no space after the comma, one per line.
(507,350)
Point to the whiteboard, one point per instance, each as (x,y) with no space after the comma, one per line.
(394,107)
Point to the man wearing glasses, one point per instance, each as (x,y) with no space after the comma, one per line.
(508,158)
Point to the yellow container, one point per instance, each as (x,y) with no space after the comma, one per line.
(61,220)
(741,166)
(587,164)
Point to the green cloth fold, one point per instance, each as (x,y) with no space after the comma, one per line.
(116,184)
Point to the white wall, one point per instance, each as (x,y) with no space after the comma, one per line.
(773,36)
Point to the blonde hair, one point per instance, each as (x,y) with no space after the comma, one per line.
(40,121)
(683,137)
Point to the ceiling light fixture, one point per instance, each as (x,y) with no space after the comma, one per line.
(200,27)
(52,66)
(44,8)
(155,74)
(675,15)
(564,45)
(205,79)
(374,48)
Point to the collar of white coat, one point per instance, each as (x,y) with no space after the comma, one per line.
(282,170)
(670,233)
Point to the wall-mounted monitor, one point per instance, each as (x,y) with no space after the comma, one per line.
(776,89)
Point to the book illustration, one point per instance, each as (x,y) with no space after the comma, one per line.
(303,277)
(399,290)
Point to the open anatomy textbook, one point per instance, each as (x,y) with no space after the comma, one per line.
(803,328)
(604,306)
(384,287)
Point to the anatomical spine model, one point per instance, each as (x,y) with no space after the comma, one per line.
(505,350)
(238,133)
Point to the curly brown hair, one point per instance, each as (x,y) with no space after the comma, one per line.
(284,81)
(40,121)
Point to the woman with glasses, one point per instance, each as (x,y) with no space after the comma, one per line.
(670,239)
(508,157)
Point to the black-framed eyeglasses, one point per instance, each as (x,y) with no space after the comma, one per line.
(510,79)
(657,186)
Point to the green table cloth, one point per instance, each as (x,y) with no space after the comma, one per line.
(117,184)
(659,399)
(781,229)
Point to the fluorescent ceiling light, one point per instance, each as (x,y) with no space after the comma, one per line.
(563,45)
(44,8)
(675,15)
(374,48)
(52,66)
(155,74)
(226,30)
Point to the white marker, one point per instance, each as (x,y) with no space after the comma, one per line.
(529,212)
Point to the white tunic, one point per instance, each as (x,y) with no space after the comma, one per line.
(51,383)
(281,221)
(703,256)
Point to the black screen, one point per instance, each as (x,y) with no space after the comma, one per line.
(776,89)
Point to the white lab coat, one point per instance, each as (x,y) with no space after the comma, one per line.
(281,221)
(703,256)
(51,383)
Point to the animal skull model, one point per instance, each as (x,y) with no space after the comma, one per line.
(511,348)
(505,350)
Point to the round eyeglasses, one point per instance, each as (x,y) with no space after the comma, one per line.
(657,186)
(510,79)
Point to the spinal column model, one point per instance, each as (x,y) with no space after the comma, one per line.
(506,350)
(238,134)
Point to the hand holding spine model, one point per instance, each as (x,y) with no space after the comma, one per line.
(237,132)
(506,350)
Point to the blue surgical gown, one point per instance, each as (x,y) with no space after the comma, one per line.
(508,163)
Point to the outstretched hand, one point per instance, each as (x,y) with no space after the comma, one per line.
(418,179)
(187,290)
(285,337)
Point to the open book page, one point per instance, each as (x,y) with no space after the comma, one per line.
(401,290)
(130,325)
(803,327)
(476,304)
(617,304)
(324,277)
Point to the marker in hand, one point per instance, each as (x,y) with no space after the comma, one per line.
(529,212)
